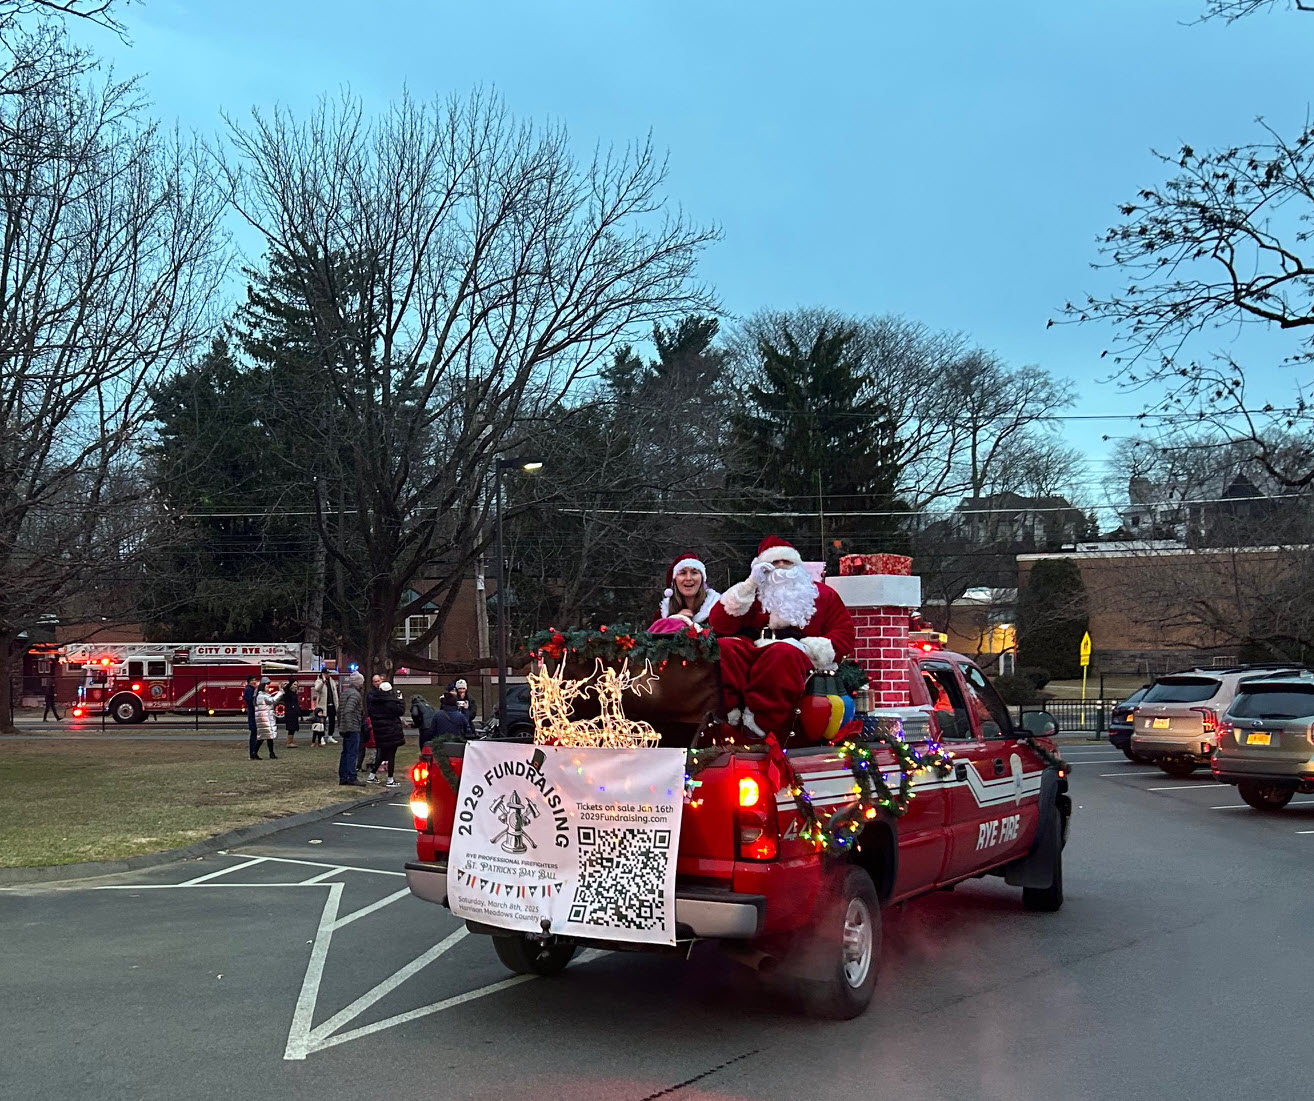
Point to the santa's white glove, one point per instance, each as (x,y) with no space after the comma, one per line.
(822,652)
(761,575)
(739,597)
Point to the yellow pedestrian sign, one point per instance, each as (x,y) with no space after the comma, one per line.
(1085,648)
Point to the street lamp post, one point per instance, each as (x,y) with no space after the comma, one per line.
(529,465)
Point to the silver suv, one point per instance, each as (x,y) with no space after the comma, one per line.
(1177,723)
(1266,741)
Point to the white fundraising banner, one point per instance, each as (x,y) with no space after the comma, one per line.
(584,839)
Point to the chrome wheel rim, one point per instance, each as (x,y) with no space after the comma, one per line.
(858,937)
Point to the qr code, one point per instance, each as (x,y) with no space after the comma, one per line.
(622,874)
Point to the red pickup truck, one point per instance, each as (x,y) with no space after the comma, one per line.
(751,875)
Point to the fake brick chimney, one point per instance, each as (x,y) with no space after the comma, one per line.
(880,604)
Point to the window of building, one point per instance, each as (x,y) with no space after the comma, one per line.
(413,627)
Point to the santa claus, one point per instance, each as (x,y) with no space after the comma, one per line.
(775,629)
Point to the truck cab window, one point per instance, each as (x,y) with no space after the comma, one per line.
(135,670)
(990,710)
(157,669)
(947,702)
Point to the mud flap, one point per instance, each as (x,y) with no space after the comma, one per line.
(1036,869)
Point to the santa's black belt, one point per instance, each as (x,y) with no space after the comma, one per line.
(779,634)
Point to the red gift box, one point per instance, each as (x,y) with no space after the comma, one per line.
(852,565)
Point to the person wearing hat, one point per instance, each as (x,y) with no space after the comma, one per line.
(266,716)
(775,628)
(385,708)
(687,598)
(351,717)
(464,703)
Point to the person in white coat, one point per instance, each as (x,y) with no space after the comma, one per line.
(325,698)
(266,715)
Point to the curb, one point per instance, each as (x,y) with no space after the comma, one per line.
(92,869)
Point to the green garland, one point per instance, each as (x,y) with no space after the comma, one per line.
(1052,760)
(621,641)
(851,676)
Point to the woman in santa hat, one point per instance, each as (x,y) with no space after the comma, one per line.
(687,598)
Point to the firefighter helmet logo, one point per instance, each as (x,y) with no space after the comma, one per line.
(515,814)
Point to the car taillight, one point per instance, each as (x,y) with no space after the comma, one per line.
(1209,717)
(78,712)
(756,823)
(1224,730)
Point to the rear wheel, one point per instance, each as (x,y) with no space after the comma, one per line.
(1136,758)
(1269,797)
(840,960)
(127,709)
(531,957)
(1178,770)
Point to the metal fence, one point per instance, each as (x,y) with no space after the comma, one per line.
(1076,716)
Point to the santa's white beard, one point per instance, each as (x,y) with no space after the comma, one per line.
(789,596)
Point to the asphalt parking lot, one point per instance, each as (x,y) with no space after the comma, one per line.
(299,967)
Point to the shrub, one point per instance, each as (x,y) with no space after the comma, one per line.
(1036,675)
(1016,689)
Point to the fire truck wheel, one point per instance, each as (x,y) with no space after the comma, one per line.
(1045,900)
(844,955)
(127,709)
(530,957)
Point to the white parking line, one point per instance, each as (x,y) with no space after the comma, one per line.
(298,1037)
(1246,806)
(1098,761)
(1188,787)
(1147,775)
(319,878)
(364,826)
(223,871)
(446,1003)
(1305,831)
(387,900)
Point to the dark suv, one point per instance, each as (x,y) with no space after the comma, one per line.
(518,721)
(1123,721)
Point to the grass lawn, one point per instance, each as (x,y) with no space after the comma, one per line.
(67,802)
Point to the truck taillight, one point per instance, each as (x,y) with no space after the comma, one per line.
(1210,718)
(78,712)
(420,809)
(756,824)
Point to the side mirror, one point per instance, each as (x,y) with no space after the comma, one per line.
(1039,724)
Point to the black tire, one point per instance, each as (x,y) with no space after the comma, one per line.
(1045,900)
(127,709)
(1136,758)
(531,957)
(1264,797)
(841,958)
(1178,770)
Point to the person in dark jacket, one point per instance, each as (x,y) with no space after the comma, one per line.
(51,704)
(351,718)
(449,723)
(460,691)
(421,716)
(291,712)
(385,708)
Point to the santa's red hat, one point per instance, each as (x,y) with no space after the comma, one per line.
(773,548)
(679,562)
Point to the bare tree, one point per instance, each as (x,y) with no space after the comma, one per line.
(1232,10)
(111,254)
(463,270)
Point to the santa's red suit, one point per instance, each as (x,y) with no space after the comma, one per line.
(768,655)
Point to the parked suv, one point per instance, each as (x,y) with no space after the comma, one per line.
(1266,741)
(518,721)
(1123,721)
(1176,725)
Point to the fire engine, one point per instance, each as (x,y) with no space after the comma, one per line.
(132,680)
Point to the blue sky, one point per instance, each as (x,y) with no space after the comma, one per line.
(948,160)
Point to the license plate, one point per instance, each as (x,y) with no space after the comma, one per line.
(1162,724)
(1258,739)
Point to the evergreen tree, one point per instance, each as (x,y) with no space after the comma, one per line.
(1052,616)
(814,437)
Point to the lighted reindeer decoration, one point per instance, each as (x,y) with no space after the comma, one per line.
(552,694)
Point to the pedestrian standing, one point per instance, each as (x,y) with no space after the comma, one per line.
(291,712)
(385,708)
(249,694)
(266,715)
(350,714)
(448,724)
(51,706)
(366,727)
(325,697)
(317,729)
(464,701)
